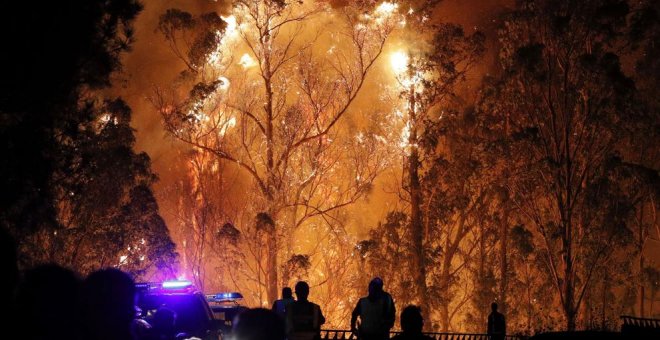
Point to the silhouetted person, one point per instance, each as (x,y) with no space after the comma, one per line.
(258,324)
(46,303)
(303,318)
(279,306)
(496,323)
(107,305)
(376,312)
(412,323)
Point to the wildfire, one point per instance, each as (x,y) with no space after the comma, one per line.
(386,9)
(399,62)
(232,28)
(231,122)
(385,14)
(404,142)
(224,86)
(226,113)
(227,38)
(246,61)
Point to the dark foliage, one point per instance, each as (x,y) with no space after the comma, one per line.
(69,173)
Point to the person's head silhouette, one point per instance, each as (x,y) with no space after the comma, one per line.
(46,302)
(108,305)
(493,307)
(376,287)
(286,293)
(302,290)
(258,324)
(412,320)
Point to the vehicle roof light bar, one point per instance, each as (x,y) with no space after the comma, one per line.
(218,297)
(176,284)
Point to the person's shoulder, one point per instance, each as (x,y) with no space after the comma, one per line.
(304,303)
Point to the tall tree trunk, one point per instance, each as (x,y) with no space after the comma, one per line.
(504,278)
(271,265)
(417,228)
(569,282)
(602,305)
(271,182)
(482,269)
(504,237)
(444,286)
(641,261)
(569,305)
(528,291)
(444,316)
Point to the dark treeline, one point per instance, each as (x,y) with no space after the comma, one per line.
(73,190)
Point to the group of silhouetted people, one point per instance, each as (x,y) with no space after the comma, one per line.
(298,319)
(51,302)
(375,312)
(372,318)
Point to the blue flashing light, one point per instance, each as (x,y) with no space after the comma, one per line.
(227,296)
(176,284)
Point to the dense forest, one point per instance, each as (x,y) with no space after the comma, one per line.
(333,141)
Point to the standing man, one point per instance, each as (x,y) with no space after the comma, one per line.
(279,306)
(496,324)
(376,312)
(303,318)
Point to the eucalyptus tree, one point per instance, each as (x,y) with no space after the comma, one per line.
(265,89)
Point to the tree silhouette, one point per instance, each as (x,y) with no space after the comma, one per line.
(429,80)
(566,100)
(76,193)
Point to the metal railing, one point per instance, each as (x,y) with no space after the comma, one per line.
(635,325)
(344,334)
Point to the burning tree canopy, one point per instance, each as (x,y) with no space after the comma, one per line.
(510,158)
(274,110)
(272,91)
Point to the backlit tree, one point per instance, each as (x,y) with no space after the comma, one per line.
(264,89)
